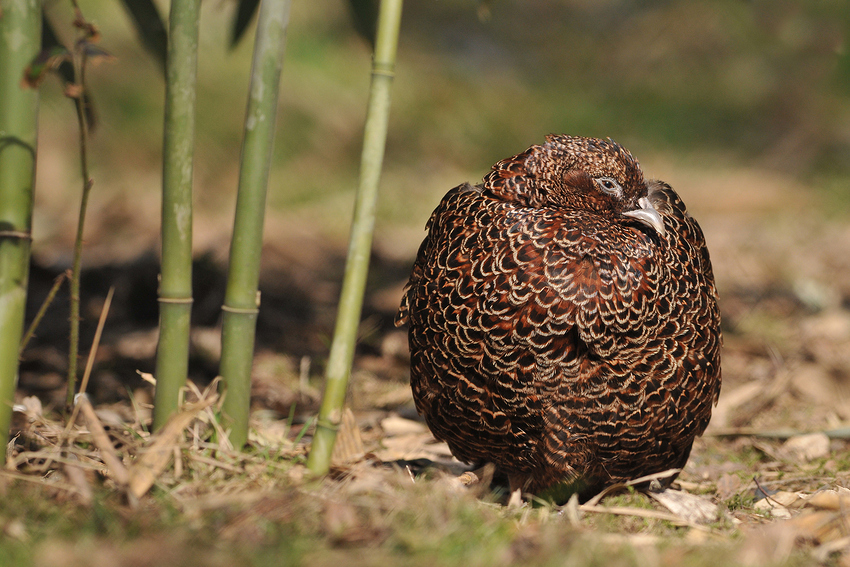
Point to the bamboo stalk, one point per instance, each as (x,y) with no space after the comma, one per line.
(241,302)
(360,243)
(175,288)
(20,38)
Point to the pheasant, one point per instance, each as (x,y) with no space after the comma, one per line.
(563,321)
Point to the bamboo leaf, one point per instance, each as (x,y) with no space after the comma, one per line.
(245,10)
(364,14)
(96,54)
(47,60)
(150,27)
(50,41)
(51,48)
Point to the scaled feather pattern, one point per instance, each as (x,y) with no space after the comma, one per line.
(563,320)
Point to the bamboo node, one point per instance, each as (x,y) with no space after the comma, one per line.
(240,310)
(384,69)
(327,424)
(178,300)
(19,234)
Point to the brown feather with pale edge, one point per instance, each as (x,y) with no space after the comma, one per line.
(558,334)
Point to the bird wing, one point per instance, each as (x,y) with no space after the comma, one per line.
(496,277)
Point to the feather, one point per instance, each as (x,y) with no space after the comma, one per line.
(563,320)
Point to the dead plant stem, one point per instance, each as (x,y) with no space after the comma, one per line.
(74,336)
(57,283)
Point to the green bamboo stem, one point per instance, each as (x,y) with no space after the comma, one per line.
(360,243)
(20,39)
(241,302)
(175,287)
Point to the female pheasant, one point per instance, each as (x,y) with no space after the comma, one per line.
(563,320)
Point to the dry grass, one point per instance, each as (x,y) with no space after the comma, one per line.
(102,491)
(770,476)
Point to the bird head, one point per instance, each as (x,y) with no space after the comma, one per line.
(577,173)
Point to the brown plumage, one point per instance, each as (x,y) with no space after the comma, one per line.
(563,320)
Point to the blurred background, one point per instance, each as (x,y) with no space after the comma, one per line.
(742,106)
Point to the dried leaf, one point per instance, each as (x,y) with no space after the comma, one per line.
(830,500)
(349,445)
(638,512)
(156,457)
(107,451)
(728,485)
(806,448)
(47,60)
(31,406)
(397,425)
(787,499)
(690,507)
(245,11)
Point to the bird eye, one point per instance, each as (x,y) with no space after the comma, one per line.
(610,186)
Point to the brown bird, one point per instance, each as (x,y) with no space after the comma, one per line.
(563,321)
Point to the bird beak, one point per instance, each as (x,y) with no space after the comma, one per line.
(648,215)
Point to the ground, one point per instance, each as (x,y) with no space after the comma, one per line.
(772,467)
(708,96)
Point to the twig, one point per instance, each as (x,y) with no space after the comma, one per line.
(65,435)
(622,485)
(767,495)
(39,480)
(215,463)
(211,390)
(79,95)
(90,361)
(96,341)
(838,433)
(57,283)
(107,451)
(53,456)
(641,513)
